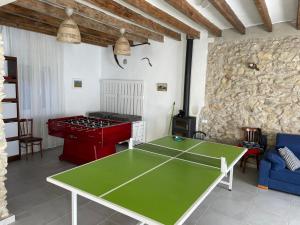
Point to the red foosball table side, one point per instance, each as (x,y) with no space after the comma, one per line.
(85,145)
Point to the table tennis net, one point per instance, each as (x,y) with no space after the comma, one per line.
(205,160)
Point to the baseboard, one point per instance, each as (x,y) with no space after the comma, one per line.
(262,187)
(8,220)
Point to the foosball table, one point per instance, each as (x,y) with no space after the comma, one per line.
(87,139)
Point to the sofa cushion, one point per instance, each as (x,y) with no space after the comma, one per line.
(278,162)
(286,176)
(292,141)
(284,186)
(292,162)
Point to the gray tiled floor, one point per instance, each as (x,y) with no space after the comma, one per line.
(35,202)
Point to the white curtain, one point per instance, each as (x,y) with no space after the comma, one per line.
(40,72)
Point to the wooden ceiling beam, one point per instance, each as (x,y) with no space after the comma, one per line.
(185,8)
(128,14)
(164,17)
(39,17)
(59,13)
(31,25)
(111,21)
(298,16)
(264,13)
(228,13)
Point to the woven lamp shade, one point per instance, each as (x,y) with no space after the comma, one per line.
(122,47)
(69,32)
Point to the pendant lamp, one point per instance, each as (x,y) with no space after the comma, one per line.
(68,30)
(122,46)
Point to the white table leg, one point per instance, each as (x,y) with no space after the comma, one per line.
(74,208)
(230,179)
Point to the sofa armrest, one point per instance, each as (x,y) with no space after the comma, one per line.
(264,174)
(277,162)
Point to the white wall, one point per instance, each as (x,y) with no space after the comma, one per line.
(175,52)
(82,62)
(198,75)
(168,60)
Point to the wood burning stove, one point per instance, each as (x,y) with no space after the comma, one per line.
(183,124)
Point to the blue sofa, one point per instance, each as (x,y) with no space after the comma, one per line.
(273,173)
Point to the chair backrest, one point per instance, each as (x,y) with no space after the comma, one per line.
(26,127)
(252,134)
(200,135)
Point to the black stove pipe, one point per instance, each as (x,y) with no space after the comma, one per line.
(187,76)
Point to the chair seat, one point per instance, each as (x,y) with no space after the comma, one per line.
(30,139)
(253,151)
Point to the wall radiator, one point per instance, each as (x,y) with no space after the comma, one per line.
(122,96)
(125,97)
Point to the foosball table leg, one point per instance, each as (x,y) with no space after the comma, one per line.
(130,143)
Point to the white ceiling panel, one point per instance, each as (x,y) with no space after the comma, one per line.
(5,2)
(279,10)
(211,14)
(282,10)
(246,11)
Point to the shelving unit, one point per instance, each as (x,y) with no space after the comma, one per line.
(12,79)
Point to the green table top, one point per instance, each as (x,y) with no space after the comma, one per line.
(231,153)
(156,186)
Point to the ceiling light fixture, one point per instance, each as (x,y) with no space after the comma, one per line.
(68,30)
(204,4)
(122,46)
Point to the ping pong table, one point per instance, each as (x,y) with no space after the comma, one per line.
(160,182)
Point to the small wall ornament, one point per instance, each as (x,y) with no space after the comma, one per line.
(162,87)
(252,63)
(77,83)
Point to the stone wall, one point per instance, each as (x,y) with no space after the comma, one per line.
(237,96)
(3,144)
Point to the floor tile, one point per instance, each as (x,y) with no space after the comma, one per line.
(214,218)
(261,216)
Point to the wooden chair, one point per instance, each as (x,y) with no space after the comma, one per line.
(252,140)
(200,135)
(26,138)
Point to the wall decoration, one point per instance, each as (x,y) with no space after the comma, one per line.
(162,86)
(252,63)
(131,45)
(148,60)
(77,83)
